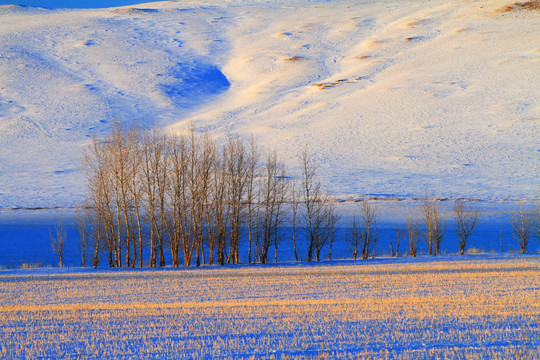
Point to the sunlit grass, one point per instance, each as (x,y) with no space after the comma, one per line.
(463,309)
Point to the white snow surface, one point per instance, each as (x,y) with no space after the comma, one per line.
(389,96)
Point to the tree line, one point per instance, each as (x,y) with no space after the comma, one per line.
(151,192)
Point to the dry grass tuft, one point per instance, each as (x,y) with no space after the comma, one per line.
(295,58)
(413,38)
(329,85)
(531,5)
(362,57)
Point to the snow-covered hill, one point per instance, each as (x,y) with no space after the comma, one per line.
(389,95)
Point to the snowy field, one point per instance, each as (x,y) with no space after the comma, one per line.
(389,95)
(479,308)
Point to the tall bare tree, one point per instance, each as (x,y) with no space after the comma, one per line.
(466,220)
(314,200)
(237,167)
(281,191)
(272,194)
(118,148)
(97,167)
(177,226)
(294,203)
(253,165)
(150,158)
(523,220)
(136,189)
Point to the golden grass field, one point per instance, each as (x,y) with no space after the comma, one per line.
(469,308)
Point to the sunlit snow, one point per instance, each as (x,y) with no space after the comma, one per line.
(389,95)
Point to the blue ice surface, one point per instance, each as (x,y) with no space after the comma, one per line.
(25,239)
(73,4)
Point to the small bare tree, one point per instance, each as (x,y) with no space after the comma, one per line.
(368,216)
(523,220)
(537,222)
(466,220)
(58,240)
(398,240)
(354,238)
(82,226)
(412,234)
(333,220)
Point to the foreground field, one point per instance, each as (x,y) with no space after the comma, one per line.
(473,308)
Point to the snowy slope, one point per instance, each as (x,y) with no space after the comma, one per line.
(389,95)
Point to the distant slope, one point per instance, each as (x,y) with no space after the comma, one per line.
(390,96)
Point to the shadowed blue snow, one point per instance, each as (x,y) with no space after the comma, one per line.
(25,239)
(189,82)
(67,4)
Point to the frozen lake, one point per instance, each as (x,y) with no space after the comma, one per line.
(68,4)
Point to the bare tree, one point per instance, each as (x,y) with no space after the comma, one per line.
(434,224)
(272,193)
(220,208)
(466,220)
(253,164)
(282,186)
(315,214)
(154,179)
(501,238)
(537,216)
(333,220)
(95,222)
(58,240)
(97,167)
(136,189)
(178,209)
(412,234)
(294,203)
(118,150)
(237,167)
(354,238)
(523,220)
(81,219)
(368,216)
(398,239)
(325,227)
